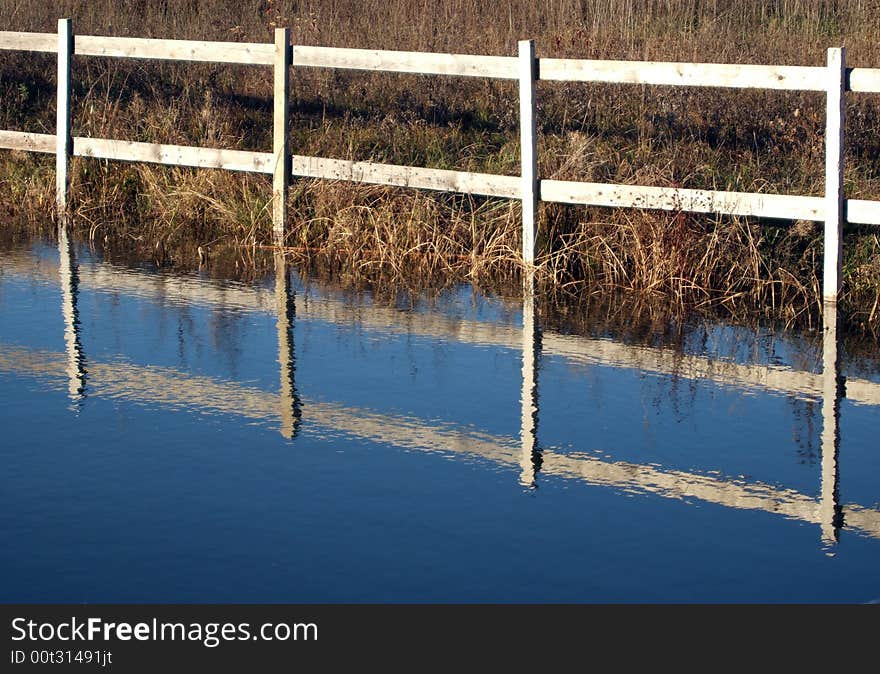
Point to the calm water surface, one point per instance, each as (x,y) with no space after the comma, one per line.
(178,439)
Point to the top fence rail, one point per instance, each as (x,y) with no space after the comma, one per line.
(739,76)
(834,80)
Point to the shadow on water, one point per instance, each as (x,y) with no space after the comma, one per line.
(68,271)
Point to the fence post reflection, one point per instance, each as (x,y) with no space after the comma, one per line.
(530,459)
(68,272)
(286,311)
(830,514)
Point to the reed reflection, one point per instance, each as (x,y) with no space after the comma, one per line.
(68,272)
(830,512)
(531,459)
(291,405)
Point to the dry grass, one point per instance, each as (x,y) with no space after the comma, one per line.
(736,140)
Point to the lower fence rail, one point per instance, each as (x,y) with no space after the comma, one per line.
(174,155)
(609,195)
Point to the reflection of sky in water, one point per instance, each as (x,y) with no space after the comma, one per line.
(170,481)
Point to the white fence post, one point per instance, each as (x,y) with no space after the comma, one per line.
(281,137)
(834,125)
(529,146)
(63,141)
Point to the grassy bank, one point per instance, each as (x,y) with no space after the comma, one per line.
(733,140)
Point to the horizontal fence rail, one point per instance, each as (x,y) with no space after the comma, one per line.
(177,50)
(499,67)
(799,78)
(486,184)
(681,199)
(747,76)
(27,142)
(174,155)
(834,79)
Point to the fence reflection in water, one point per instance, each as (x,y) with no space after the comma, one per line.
(828,512)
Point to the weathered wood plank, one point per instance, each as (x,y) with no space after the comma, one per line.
(677,199)
(835,116)
(178,50)
(63,143)
(802,78)
(45,42)
(504,67)
(27,142)
(864,80)
(575,350)
(174,155)
(407,176)
(860,211)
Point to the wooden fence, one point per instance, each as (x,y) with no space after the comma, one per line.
(834,79)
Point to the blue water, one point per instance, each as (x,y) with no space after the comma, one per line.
(157,449)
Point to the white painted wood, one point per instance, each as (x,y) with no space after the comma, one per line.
(835,82)
(407,176)
(678,199)
(801,78)
(178,50)
(44,42)
(174,155)
(865,80)
(281,137)
(503,67)
(863,212)
(528,137)
(28,142)
(63,144)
